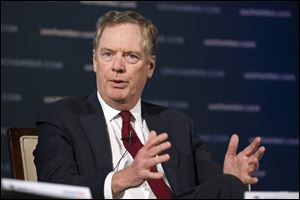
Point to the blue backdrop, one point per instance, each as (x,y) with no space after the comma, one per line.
(232,66)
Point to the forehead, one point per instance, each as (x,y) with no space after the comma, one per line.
(122,36)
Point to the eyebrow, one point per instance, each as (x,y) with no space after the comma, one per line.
(106,49)
(129,51)
(134,52)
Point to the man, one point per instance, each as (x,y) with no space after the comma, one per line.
(122,147)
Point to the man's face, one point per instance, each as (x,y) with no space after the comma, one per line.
(121,65)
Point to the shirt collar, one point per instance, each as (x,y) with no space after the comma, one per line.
(110,113)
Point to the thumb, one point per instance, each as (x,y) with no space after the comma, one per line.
(233,145)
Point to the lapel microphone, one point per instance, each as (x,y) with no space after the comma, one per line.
(129,138)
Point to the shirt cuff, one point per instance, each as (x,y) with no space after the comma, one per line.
(107,186)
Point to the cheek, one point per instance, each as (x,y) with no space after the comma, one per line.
(140,79)
(101,76)
(102,71)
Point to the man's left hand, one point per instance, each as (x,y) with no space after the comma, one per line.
(245,163)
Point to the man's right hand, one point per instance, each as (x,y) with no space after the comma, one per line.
(139,171)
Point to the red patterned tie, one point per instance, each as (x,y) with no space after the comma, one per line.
(133,144)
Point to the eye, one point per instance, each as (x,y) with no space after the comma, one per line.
(107,56)
(132,58)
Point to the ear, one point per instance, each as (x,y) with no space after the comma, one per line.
(152,62)
(95,63)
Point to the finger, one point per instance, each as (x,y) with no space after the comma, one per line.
(260,152)
(154,175)
(252,159)
(233,145)
(152,134)
(253,168)
(157,160)
(251,180)
(253,165)
(257,156)
(159,148)
(155,140)
(251,148)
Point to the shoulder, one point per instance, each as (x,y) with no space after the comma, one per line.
(70,103)
(65,108)
(164,112)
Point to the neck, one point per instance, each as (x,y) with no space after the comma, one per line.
(121,105)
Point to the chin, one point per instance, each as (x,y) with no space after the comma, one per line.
(118,97)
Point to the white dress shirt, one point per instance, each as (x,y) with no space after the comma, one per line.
(114,125)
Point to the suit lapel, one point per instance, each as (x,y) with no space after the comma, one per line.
(95,127)
(160,126)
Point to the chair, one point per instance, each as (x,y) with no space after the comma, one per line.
(22,142)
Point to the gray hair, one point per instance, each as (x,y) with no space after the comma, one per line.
(112,18)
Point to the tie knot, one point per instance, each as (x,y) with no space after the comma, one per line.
(126,116)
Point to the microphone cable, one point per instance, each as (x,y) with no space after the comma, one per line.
(123,155)
(128,140)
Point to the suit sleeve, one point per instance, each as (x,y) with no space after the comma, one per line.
(55,156)
(195,162)
(205,163)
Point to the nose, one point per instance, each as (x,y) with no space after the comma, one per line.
(119,64)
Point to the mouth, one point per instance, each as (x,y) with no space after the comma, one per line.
(118,81)
(120,84)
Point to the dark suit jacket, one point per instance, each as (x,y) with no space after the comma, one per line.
(74,146)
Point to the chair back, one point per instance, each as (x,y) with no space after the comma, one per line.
(22,142)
